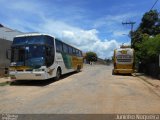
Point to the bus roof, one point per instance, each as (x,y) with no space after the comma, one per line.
(119,49)
(33,34)
(68,44)
(38,34)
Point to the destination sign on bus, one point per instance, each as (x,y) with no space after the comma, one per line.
(123,56)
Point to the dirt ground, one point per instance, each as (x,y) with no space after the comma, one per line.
(92,91)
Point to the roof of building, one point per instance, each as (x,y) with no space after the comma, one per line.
(1,25)
(7,33)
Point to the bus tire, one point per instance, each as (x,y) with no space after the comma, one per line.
(58,73)
(78,69)
(113,72)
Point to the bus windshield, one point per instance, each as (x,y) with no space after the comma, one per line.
(33,56)
(28,40)
(32,51)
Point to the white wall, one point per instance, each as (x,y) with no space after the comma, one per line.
(8,34)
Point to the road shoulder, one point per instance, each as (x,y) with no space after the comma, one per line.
(5,81)
(153,83)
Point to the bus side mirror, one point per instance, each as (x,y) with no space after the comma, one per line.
(8,54)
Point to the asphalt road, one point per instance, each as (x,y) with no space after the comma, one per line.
(94,90)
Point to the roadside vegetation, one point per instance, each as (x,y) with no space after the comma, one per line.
(146,42)
(5,83)
(91,57)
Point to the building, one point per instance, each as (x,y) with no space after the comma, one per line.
(7,33)
(6,37)
(101,61)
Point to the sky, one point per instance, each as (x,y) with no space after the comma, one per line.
(90,25)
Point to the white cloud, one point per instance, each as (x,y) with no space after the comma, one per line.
(113,24)
(86,40)
(120,33)
(89,41)
(105,48)
(112,20)
(81,37)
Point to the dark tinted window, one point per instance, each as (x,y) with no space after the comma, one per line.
(49,56)
(49,40)
(80,54)
(33,40)
(74,51)
(29,40)
(65,48)
(77,52)
(70,50)
(59,46)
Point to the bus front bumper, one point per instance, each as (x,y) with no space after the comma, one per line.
(28,75)
(123,71)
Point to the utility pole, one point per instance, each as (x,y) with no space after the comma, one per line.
(129,23)
(132,24)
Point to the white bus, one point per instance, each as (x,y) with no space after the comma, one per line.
(41,56)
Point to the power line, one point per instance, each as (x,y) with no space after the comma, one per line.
(154,5)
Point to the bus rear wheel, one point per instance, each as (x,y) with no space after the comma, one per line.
(78,68)
(113,73)
(58,74)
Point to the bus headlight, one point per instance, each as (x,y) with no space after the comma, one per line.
(38,70)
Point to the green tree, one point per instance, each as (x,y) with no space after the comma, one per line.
(136,37)
(91,56)
(150,21)
(146,40)
(148,50)
(150,25)
(108,60)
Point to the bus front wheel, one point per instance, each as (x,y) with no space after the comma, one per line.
(58,74)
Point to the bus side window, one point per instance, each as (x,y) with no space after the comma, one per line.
(77,52)
(74,51)
(65,48)
(49,56)
(59,47)
(70,50)
(81,53)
